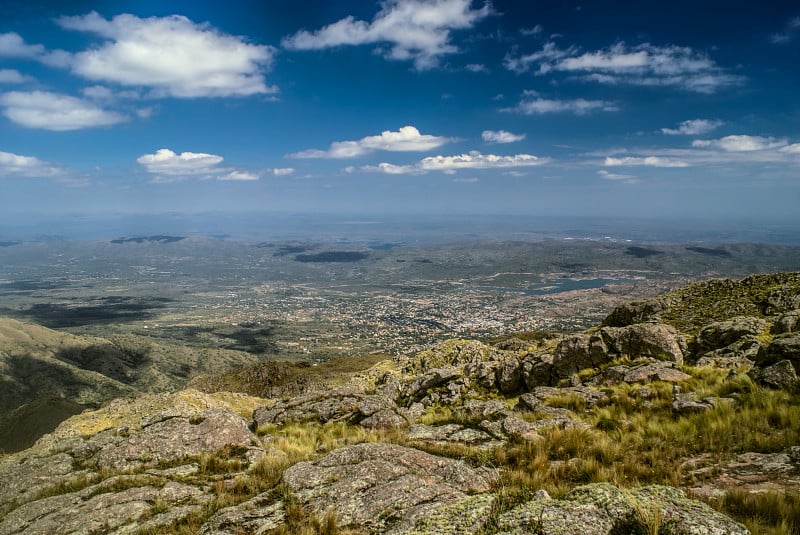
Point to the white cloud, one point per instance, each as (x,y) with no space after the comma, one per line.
(466,180)
(451,164)
(540,106)
(476,67)
(536,30)
(166,162)
(628,179)
(172,55)
(476,160)
(406,139)
(501,136)
(238,176)
(11,76)
(53,111)
(794,148)
(741,143)
(693,127)
(13,46)
(643,64)
(283,171)
(14,165)
(549,53)
(652,161)
(417,30)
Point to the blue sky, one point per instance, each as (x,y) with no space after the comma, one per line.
(637,109)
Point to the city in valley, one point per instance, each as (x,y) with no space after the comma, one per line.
(315,300)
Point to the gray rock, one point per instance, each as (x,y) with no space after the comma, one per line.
(520,429)
(643,373)
(652,340)
(427,381)
(537,370)
(782,374)
(346,404)
(97,509)
(578,352)
(383,488)
(783,347)
(509,376)
(602,509)
(257,515)
(724,333)
(740,353)
(478,410)
(787,323)
(465,517)
(451,434)
(634,312)
(170,440)
(781,300)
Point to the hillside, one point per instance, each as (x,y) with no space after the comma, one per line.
(678,415)
(39,366)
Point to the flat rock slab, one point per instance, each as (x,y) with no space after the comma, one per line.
(257,515)
(452,434)
(384,488)
(169,439)
(602,509)
(97,509)
(751,472)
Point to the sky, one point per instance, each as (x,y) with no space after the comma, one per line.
(646,109)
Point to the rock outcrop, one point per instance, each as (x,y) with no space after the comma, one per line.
(384,488)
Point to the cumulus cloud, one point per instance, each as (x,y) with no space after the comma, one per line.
(501,136)
(416,30)
(53,111)
(13,165)
(652,161)
(580,106)
(238,176)
(476,67)
(451,164)
(794,148)
(11,76)
(167,162)
(171,55)
(741,143)
(14,46)
(788,34)
(644,64)
(283,171)
(693,127)
(406,139)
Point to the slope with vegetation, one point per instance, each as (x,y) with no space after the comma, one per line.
(678,415)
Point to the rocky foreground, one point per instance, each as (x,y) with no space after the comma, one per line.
(672,417)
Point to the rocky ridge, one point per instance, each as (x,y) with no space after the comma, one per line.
(430,443)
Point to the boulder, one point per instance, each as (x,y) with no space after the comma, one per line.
(578,352)
(782,374)
(344,404)
(420,386)
(508,376)
(465,517)
(724,333)
(451,434)
(783,347)
(602,509)
(634,312)
(383,488)
(96,509)
(642,373)
(169,440)
(257,515)
(651,340)
(740,353)
(787,323)
(537,370)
